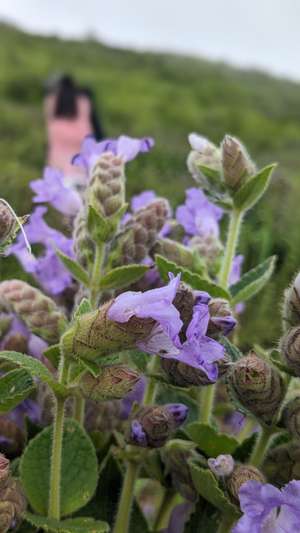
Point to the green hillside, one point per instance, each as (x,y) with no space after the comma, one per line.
(167,97)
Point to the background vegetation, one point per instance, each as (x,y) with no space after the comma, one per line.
(167,97)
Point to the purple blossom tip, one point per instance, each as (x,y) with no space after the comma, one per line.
(137,434)
(222,465)
(178,411)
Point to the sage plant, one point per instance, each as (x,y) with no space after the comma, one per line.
(123,391)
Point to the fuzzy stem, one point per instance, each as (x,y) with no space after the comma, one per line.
(207,396)
(125,504)
(163,515)
(126,499)
(79,409)
(226,524)
(56,460)
(231,244)
(95,274)
(261,446)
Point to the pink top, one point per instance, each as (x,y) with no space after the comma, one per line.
(65,136)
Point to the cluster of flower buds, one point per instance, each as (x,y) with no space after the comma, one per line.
(291,416)
(113,382)
(94,335)
(236,163)
(40,313)
(258,387)
(12,500)
(176,455)
(7,223)
(240,475)
(84,247)
(282,463)
(140,233)
(152,426)
(106,191)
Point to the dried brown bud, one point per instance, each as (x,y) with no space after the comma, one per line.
(174,251)
(40,313)
(12,500)
(291,416)
(282,463)
(258,387)
(184,375)
(140,233)
(240,475)
(291,305)
(84,247)
(184,302)
(7,222)
(113,382)
(94,335)
(222,321)
(237,165)
(290,348)
(4,470)
(107,185)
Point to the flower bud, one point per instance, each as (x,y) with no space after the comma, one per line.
(221,321)
(84,247)
(174,251)
(183,375)
(237,165)
(291,417)
(5,323)
(290,348)
(209,248)
(240,475)
(4,470)
(40,313)
(16,342)
(107,184)
(12,500)
(291,305)
(184,302)
(258,387)
(12,437)
(222,465)
(7,223)
(113,382)
(176,455)
(204,153)
(153,425)
(282,463)
(140,233)
(93,335)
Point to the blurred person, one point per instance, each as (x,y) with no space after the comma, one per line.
(70,116)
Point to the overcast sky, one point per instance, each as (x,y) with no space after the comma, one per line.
(255,33)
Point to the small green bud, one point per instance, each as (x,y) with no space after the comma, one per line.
(174,251)
(282,463)
(40,313)
(291,416)
(258,387)
(204,153)
(7,223)
(106,191)
(290,348)
(113,382)
(237,165)
(94,335)
(240,475)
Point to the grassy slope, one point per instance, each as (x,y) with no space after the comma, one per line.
(167,97)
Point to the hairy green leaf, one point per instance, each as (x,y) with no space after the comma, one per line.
(209,440)
(249,194)
(74,268)
(100,228)
(191,278)
(84,307)
(234,353)
(122,276)
(253,281)
(15,386)
(53,354)
(79,469)
(71,525)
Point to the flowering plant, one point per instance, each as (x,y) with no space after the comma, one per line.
(126,404)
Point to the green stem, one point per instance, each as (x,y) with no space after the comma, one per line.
(163,515)
(231,244)
(124,510)
(226,524)
(261,446)
(79,409)
(247,429)
(207,396)
(125,504)
(95,275)
(56,459)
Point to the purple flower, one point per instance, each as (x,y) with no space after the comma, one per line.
(46,268)
(35,344)
(179,516)
(179,412)
(53,189)
(156,304)
(125,147)
(198,215)
(136,395)
(198,142)
(267,509)
(137,434)
(224,324)
(142,200)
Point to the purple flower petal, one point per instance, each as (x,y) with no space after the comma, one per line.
(198,215)
(54,190)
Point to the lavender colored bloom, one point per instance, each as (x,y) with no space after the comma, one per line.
(35,344)
(198,215)
(179,517)
(125,147)
(137,434)
(225,324)
(142,200)
(222,465)
(198,142)
(46,268)
(136,395)
(267,509)
(52,189)
(179,412)
(156,304)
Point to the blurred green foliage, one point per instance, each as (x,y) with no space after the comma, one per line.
(165,96)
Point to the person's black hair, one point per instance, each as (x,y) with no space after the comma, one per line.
(95,122)
(66,93)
